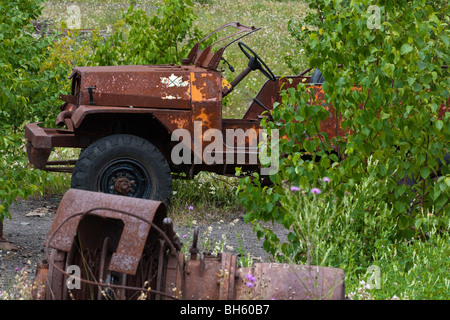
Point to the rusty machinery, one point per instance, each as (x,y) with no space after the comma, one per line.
(126,248)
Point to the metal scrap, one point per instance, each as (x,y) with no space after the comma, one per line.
(126,248)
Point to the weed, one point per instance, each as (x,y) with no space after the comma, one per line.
(20,288)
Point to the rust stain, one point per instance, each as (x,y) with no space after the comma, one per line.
(179,122)
(202,116)
(206,86)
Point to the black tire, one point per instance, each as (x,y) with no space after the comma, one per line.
(126,165)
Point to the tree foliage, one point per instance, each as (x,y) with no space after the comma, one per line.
(21,55)
(34,70)
(139,38)
(383,65)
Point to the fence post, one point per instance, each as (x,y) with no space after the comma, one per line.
(5,245)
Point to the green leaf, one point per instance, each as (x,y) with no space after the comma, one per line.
(418,223)
(406,48)
(411,80)
(425,172)
(447,181)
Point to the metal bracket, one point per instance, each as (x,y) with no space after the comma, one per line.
(91,95)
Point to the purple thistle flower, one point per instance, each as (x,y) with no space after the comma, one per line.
(293,189)
(250,284)
(326,179)
(191,208)
(316,191)
(250,277)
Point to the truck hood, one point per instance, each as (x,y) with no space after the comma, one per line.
(155,86)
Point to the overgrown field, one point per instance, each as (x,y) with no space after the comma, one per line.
(346,210)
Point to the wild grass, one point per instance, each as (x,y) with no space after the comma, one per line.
(377,264)
(412,270)
(19,286)
(208,197)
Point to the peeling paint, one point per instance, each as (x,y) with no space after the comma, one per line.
(174,81)
(196,94)
(225,84)
(179,122)
(170,97)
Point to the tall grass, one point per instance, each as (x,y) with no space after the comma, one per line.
(413,270)
(377,264)
(205,198)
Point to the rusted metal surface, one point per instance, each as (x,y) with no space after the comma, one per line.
(218,278)
(40,282)
(282,281)
(208,59)
(135,86)
(121,245)
(40,142)
(175,96)
(136,224)
(126,248)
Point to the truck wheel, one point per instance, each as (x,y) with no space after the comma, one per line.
(125,165)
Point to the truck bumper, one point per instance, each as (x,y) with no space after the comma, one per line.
(40,143)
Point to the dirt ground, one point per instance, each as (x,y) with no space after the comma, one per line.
(31,220)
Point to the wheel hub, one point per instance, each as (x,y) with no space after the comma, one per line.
(123,185)
(125,177)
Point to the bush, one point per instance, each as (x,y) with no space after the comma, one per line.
(387,86)
(391,117)
(21,54)
(164,37)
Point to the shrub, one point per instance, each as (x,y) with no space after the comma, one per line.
(388,91)
(21,55)
(139,38)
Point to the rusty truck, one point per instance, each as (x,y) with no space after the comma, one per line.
(124,119)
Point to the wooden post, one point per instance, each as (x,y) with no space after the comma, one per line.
(5,245)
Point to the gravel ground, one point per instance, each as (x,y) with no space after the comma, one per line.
(31,220)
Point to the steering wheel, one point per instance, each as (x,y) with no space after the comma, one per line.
(256,62)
